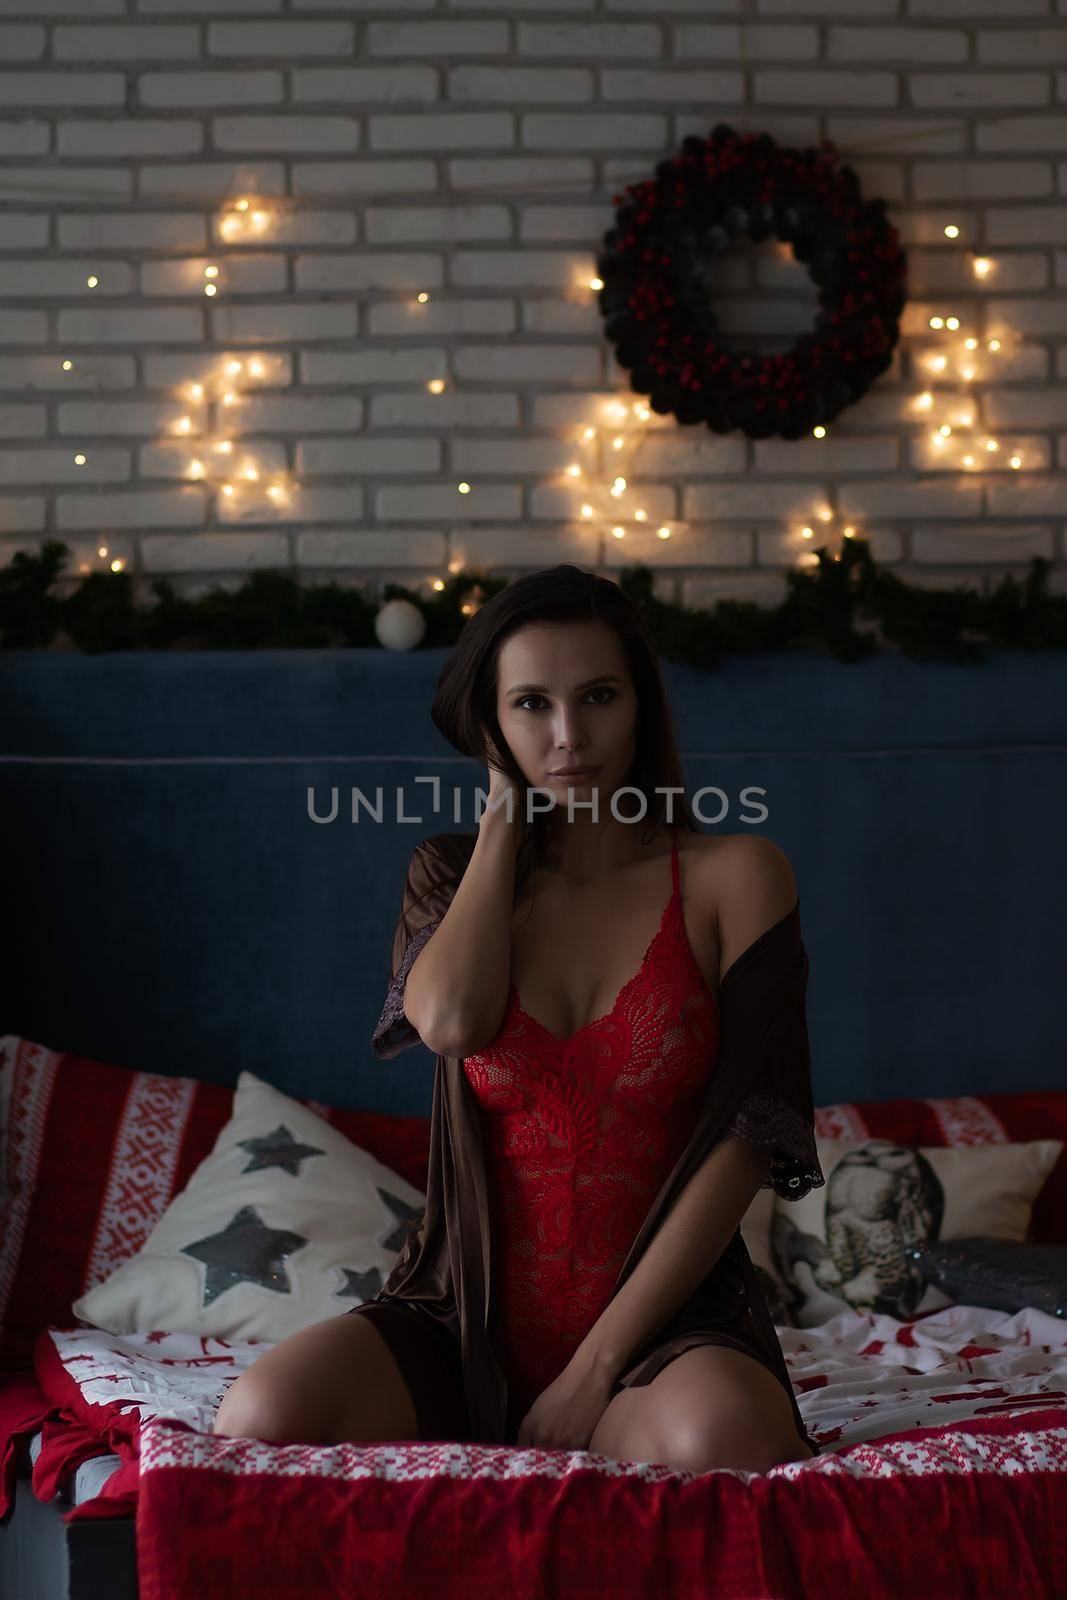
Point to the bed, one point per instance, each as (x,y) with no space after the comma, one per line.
(920,805)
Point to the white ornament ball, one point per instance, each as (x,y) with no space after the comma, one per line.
(399,625)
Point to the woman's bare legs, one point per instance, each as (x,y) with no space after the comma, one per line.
(335,1381)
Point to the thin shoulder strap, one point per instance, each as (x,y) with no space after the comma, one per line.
(674,856)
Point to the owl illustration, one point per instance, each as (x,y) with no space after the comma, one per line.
(881,1199)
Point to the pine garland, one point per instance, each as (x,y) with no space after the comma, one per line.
(843,605)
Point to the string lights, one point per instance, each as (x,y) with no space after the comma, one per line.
(957,434)
(619,432)
(223,389)
(603,471)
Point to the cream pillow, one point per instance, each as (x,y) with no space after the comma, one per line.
(285,1223)
(846,1244)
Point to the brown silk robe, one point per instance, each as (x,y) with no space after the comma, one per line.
(760,1089)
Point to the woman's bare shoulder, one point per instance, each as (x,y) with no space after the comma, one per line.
(745,858)
(745,883)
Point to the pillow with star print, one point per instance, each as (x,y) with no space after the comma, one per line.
(285,1223)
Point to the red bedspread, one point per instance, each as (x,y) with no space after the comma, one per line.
(974,1511)
(943,1473)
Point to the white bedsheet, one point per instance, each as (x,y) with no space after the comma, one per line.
(859,1376)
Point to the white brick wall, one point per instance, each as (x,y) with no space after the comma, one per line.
(474,151)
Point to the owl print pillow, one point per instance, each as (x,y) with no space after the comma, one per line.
(846,1245)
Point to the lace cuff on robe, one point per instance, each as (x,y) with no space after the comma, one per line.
(764,1120)
(393,1032)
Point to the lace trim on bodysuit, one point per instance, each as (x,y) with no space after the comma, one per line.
(763,1120)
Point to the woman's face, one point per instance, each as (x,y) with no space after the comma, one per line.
(565,698)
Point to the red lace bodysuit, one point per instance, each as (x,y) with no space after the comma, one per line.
(580,1135)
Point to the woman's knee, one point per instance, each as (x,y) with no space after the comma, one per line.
(710,1408)
(253,1407)
(747,1447)
(334,1382)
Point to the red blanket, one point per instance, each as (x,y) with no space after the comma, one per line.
(974,1511)
(971,1506)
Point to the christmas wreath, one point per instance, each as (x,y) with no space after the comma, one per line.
(656,296)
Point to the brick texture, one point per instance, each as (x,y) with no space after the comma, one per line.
(474,152)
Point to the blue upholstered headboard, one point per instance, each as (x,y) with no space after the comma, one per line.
(170,905)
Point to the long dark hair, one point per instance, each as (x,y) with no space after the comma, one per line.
(464,707)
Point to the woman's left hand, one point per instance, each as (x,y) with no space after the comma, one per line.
(564,1416)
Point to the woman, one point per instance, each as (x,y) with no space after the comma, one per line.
(578,1279)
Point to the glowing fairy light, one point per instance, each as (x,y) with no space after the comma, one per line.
(435,385)
(967,370)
